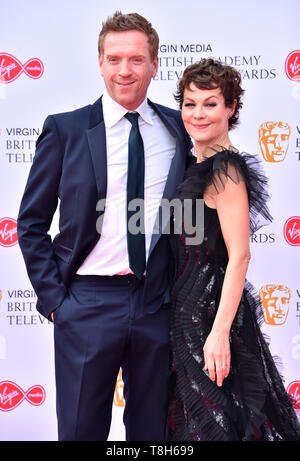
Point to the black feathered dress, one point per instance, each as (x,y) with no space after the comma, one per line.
(252,403)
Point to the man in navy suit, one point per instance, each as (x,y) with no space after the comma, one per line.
(106,313)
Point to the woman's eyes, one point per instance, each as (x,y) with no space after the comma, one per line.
(209,104)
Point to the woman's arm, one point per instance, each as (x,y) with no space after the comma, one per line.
(233,212)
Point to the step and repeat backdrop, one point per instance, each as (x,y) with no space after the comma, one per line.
(48,64)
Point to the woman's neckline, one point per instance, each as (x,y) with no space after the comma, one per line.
(215,150)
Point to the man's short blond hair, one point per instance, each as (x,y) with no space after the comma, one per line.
(133,21)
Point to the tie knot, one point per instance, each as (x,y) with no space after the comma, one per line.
(132,117)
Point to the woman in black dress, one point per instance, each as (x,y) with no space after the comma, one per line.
(224,383)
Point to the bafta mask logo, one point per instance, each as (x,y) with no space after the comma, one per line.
(275,301)
(118,397)
(274,140)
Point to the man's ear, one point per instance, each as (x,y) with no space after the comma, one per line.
(100,60)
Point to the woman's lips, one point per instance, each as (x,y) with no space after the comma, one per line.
(200,127)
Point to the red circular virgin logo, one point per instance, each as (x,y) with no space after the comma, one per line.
(294,391)
(11,68)
(291,231)
(8,232)
(292,66)
(11,395)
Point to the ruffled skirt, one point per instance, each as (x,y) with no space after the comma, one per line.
(252,404)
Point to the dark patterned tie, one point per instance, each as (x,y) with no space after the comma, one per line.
(135,190)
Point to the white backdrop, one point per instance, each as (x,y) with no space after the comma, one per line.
(261,39)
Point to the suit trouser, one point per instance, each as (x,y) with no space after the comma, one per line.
(100,327)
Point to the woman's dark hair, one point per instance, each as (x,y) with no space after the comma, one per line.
(210,74)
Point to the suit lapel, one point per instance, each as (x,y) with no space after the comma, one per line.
(177,167)
(97,143)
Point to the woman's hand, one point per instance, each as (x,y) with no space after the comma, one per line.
(217,356)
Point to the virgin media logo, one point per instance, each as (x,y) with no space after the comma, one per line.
(292,66)
(8,232)
(291,231)
(11,395)
(11,68)
(294,391)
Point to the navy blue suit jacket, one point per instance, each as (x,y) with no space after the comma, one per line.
(70,168)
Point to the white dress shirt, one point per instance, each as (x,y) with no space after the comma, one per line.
(110,256)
